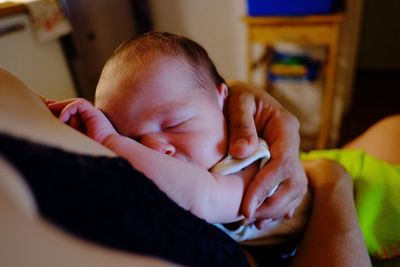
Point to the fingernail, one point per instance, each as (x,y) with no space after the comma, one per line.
(291,213)
(252,210)
(241,142)
(255,204)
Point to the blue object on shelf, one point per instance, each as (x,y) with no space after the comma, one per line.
(289,7)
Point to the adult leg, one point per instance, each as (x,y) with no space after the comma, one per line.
(381,140)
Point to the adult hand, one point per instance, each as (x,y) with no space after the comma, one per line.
(252,114)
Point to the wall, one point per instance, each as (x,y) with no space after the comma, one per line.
(380,43)
(99,27)
(41,66)
(216,25)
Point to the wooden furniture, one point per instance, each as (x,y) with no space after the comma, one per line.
(321,30)
(11,8)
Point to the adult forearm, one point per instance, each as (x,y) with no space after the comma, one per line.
(333,236)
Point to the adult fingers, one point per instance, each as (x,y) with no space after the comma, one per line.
(292,187)
(285,200)
(243,137)
(261,223)
(261,187)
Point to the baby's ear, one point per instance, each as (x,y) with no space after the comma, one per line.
(222,94)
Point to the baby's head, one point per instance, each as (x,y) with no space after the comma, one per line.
(164,91)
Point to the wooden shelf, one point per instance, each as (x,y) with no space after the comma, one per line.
(321,31)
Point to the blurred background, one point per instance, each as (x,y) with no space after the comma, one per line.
(58,48)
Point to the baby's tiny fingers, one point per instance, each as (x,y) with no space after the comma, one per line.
(67,112)
(49,101)
(77,123)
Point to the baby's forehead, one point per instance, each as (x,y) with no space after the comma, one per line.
(152,79)
(197,71)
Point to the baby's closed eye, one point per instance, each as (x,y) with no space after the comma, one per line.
(174,126)
(178,126)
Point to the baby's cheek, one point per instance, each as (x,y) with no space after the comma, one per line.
(222,145)
(209,156)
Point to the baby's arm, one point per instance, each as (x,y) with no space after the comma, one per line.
(215,198)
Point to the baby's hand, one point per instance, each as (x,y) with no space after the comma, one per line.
(80,114)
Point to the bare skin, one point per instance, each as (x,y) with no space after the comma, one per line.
(381,140)
(254,113)
(333,227)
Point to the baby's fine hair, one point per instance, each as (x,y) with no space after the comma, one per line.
(137,50)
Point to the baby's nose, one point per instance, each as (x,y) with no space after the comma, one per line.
(158,143)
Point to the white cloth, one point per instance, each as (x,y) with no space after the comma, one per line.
(277,231)
(231,165)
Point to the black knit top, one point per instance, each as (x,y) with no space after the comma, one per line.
(104,200)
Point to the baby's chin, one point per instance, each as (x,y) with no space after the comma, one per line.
(210,165)
(204,164)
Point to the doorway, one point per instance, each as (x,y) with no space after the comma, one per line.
(377,80)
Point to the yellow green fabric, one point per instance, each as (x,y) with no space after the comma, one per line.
(377,197)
